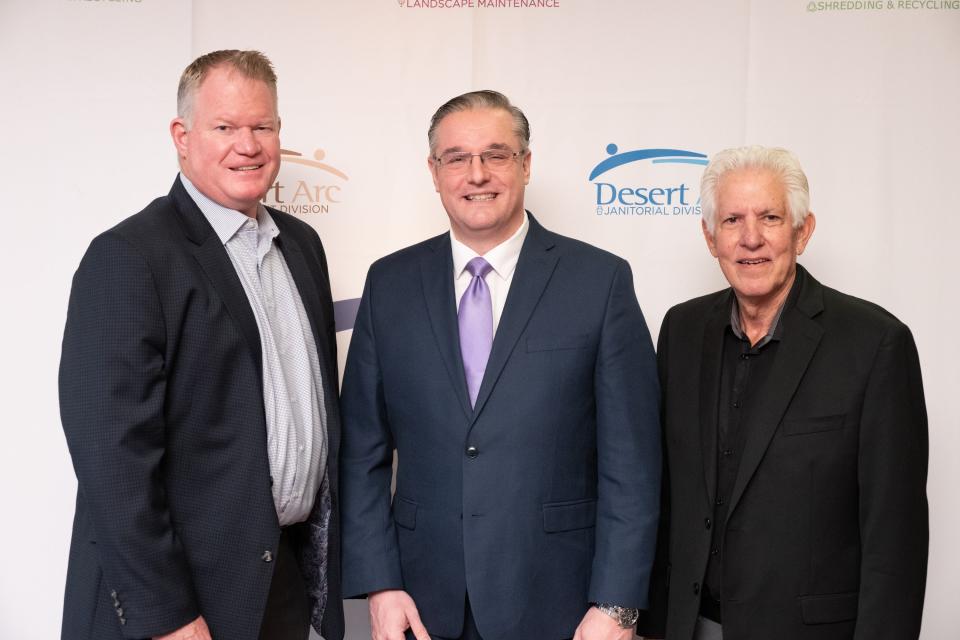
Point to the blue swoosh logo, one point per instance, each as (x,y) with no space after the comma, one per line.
(668,155)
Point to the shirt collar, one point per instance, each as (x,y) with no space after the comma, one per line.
(503,257)
(773,333)
(225,221)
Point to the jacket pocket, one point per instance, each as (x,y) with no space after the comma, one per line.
(553,343)
(834,607)
(567,516)
(801,426)
(405,512)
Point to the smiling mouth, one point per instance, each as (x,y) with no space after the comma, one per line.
(252,167)
(480,197)
(752,261)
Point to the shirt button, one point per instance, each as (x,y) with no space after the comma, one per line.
(472,452)
(736,404)
(706,523)
(696,588)
(727,453)
(714,551)
(719,500)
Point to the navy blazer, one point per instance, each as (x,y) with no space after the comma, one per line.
(544,497)
(162,404)
(826,532)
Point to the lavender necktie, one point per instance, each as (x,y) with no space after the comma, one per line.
(476,326)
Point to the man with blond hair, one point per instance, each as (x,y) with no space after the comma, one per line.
(198,394)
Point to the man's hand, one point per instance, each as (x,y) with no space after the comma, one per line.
(196,630)
(392,612)
(596,625)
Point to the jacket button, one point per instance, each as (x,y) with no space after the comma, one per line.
(267,556)
(696,588)
(472,452)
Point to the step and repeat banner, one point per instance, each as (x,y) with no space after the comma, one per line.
(866,92)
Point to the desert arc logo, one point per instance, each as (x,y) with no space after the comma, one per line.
(306,185)
(670,190)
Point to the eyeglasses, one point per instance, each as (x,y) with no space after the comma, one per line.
(460,161)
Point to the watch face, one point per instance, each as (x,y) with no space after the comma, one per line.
(628,617)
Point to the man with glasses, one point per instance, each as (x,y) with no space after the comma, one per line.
(511,370)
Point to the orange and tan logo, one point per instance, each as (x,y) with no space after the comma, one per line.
(306,186)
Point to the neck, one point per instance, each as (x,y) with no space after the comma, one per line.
(757,316)
(484,242)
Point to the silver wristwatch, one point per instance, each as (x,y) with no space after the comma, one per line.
(626,617)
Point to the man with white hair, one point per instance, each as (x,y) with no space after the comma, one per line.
(795,436)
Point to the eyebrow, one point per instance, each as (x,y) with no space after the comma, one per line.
(500,146)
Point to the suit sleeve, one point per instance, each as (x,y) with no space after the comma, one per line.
(628,451)
(892,475)
(371,558)
(112,385)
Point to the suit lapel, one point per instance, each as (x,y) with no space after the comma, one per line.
(801,337)
(436,270)
(534,268)
(213,258)
(710,364)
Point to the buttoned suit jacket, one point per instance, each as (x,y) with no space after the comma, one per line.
(542,498)
(826,533)
(162,404)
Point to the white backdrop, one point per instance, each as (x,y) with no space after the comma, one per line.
(866,92)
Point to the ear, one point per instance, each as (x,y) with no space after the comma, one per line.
(805,231)
(432,165)
(179,133)
(711,242)
(525,165)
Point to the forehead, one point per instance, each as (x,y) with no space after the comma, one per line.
(750,189)
(475,128)
(224,87)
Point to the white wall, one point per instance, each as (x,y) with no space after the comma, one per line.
(867,98)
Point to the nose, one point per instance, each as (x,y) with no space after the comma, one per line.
(751,235)
(477,173)
(245,143)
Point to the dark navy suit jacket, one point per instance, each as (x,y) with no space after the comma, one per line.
(544,497)
(162,404)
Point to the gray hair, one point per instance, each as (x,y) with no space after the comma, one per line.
(250,64)
(783,163)
(485,99)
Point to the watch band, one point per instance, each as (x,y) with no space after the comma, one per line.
(626,617)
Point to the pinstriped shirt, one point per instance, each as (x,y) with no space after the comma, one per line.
(292,387)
